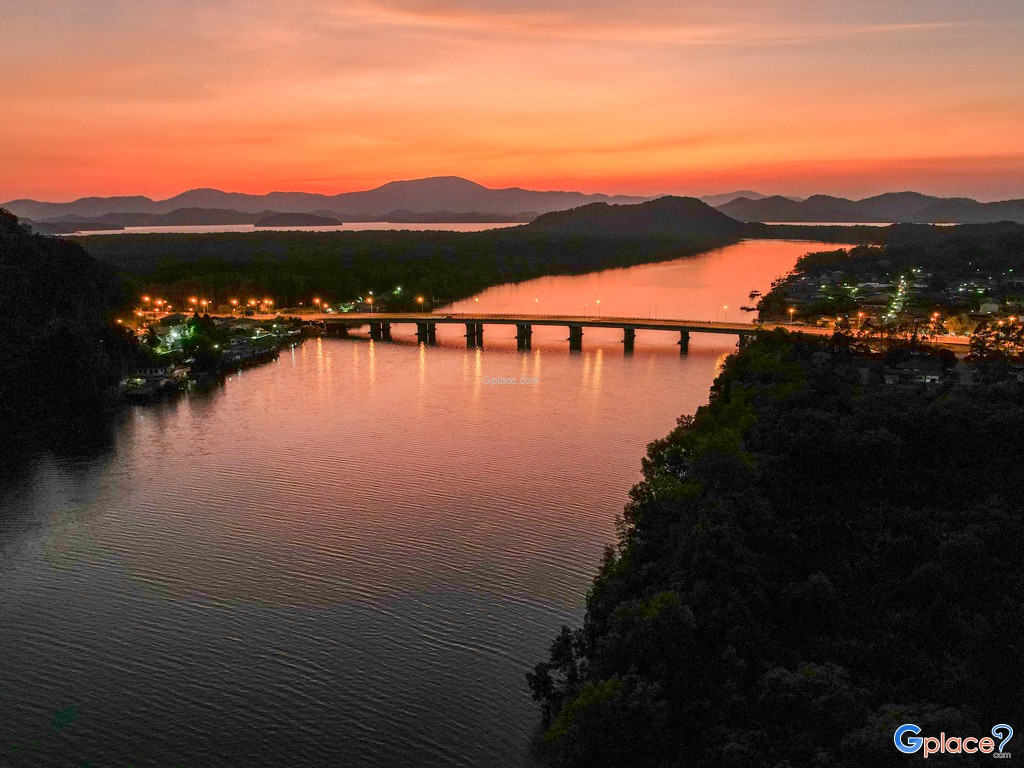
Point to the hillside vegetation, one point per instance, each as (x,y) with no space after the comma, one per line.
(60,354)
(808,563)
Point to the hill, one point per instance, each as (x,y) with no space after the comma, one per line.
(60,353)
(801,570)
(665,217)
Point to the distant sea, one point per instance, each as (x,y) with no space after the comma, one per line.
(349,226)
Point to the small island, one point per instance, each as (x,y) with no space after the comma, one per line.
(295,220)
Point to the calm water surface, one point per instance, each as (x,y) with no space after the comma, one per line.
(350,556)
(348,226)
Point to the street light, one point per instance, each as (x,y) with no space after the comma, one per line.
(598,307)
(419,300)
(369,300)
(792,312)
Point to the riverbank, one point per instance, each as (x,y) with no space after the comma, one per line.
(800,553)
(189,352)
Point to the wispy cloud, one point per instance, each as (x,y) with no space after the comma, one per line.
(704,25)
(123,96)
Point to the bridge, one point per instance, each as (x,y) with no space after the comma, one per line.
(426,327)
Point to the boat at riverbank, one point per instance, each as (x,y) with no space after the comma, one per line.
(155,381)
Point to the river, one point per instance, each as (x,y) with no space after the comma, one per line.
(350,556)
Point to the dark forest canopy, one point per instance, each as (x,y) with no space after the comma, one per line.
(808,563)
(342,265)
(961,252)
(60,353)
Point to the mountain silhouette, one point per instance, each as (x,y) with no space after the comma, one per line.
(447,193)
(663,217)
(900,207)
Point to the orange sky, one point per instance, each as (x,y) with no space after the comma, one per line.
(105,97)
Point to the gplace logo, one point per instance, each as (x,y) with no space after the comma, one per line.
(909,741)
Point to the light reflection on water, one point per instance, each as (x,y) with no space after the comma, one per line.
(349,556)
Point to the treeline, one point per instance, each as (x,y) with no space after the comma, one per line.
(822,233)
(60,352)
(445,266)
(808,563)
(963,252)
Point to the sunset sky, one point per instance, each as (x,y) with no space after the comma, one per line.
(105,97)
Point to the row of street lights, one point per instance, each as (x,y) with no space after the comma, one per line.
(159,305)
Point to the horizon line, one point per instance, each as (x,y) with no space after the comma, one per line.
(646,196)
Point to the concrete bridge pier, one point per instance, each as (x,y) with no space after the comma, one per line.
(684,342)
(744,340)
(524,334)
(628,339)
(426,333)
(575,338)
(385,331)
(474,334)
(376,331)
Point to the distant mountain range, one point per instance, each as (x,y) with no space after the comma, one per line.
(445,193)
(727,197)
(451,199)
(899,207)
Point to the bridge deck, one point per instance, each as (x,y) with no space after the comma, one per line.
(588,321)
(960,343)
